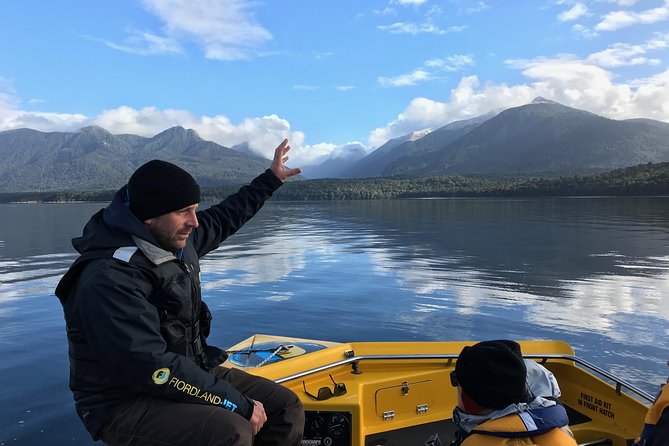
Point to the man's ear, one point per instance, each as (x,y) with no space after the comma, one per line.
(148,221)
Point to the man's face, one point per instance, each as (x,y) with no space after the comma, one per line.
(172,230)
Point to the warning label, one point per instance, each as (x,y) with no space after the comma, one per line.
(596,405)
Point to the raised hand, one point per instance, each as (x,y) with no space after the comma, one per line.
(280,157)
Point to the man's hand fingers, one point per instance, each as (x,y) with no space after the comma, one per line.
(281,149)
(278,163)
(295,171)
(259,417)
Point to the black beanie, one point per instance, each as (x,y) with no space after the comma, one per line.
(493,373)
(159,187)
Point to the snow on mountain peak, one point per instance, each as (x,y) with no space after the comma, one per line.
(541,100)
(419,134)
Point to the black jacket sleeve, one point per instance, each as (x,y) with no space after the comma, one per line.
(224,219)
(122,331)
(661,431)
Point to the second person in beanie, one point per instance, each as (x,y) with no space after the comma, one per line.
(495,399)
(491,375)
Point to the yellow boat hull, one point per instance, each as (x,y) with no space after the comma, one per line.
(399,393)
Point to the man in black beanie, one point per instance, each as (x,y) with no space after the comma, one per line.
(141,371)
(497,405)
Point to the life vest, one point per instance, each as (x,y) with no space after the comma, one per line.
(185,320)
(521,429)
(659,407)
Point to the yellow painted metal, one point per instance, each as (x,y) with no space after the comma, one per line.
(380,386)
(407,398)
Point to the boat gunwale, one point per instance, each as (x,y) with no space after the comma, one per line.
(353,359)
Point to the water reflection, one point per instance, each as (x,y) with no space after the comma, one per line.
(593,272)
(603,272)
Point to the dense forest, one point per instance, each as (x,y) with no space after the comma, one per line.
(644,179)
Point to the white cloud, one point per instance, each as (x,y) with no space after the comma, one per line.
(147,121)
(385,11)
(658,41)
(621,19)
(12,117)
(405,80)
(421,28)
(348,150)
(622,54)
(475,7)
(44,121)
(429,71)
(226,29)
(8,97)
(584,31)
(455,62)
(323,55)
(318,153)
(652,97)
(409,2)
(621,3)
(575,12)
(144,43)
(345,87)
(434,10)
(420,111)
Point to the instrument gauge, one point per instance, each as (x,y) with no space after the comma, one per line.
(317,424)
(337,425)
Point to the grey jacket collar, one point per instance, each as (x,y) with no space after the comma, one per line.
(152,252)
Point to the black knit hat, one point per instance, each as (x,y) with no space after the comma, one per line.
(493,373)
(159,187)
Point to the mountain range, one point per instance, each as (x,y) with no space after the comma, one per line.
(410,146)
(542,138)
(94,159)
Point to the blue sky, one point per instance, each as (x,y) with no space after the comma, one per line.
(328,75)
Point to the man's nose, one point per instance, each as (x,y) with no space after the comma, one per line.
(192,220)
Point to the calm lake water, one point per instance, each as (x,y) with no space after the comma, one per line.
(591,271)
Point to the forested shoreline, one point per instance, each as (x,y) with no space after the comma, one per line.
(644,179)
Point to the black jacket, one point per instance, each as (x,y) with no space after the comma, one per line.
(136,324)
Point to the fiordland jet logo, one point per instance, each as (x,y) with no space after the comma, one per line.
(161,376)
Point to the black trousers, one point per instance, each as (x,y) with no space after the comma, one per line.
(150,421)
